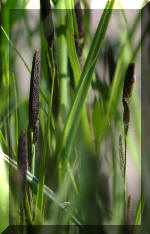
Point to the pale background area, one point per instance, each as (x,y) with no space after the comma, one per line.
(99,4)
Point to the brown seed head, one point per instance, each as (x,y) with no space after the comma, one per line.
(126,117)
(34,95)
(128,83)
(22,162)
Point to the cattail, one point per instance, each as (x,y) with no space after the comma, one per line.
(22,168)
(22,161)
(34,96)
(121,153)
(48,27)
(127,92)
(126,117)
(111,63)
(128,83)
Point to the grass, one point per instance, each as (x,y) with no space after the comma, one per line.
(75,175)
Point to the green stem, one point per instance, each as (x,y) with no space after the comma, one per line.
(32,154)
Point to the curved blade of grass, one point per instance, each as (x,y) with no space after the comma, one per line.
(84,83)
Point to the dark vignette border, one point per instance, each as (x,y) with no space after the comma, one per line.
(145,88)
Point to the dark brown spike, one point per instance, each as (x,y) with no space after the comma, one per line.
(127,92)
(46,15)
(34,96)
(126,117)
(22,163)
(129,82)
